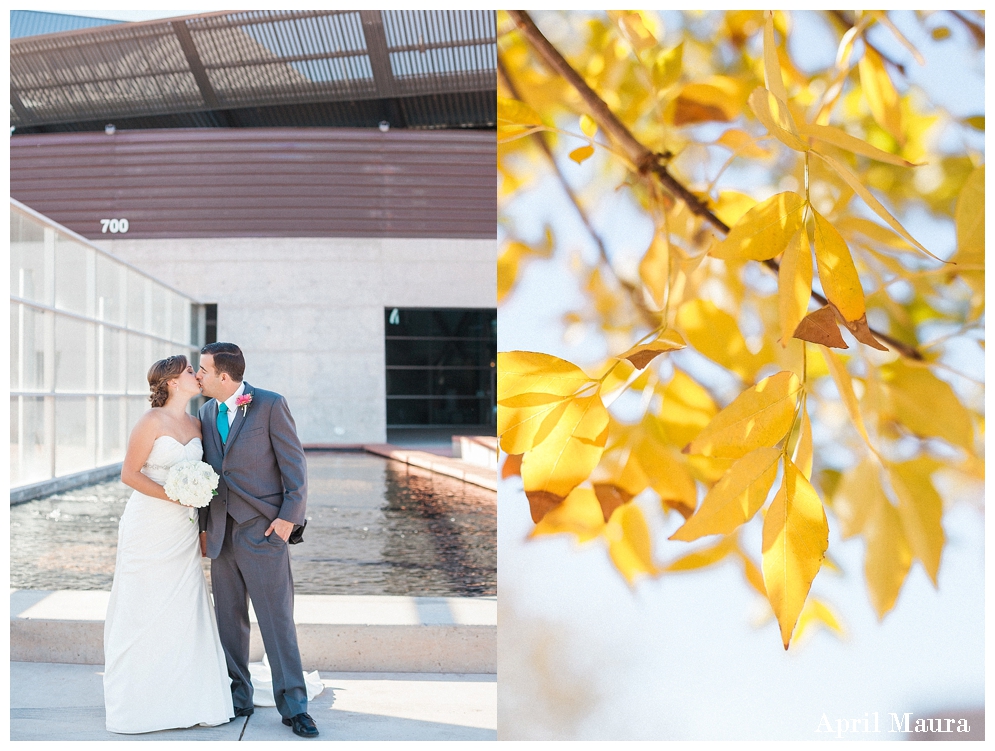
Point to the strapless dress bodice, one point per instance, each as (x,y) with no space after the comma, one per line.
(167,451)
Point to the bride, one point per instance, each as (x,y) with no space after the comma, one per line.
(163,662)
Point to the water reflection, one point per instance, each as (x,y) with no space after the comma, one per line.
(375,527)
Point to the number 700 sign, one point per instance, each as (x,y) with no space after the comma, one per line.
(114,226)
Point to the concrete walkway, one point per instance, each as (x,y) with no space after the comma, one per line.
(59,702)
(394,668)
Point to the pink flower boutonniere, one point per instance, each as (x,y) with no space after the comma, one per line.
(243,401)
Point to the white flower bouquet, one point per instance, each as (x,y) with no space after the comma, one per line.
(192,483)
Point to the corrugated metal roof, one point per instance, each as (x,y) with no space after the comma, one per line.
(254,59)
(27,23)
(280,182)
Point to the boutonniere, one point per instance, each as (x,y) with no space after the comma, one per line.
(243,401)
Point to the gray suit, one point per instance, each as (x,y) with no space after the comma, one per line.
(263,477)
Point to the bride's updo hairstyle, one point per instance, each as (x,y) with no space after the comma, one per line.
(159,376)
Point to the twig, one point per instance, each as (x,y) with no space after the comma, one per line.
(644,160)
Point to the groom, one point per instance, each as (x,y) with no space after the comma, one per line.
(251,441)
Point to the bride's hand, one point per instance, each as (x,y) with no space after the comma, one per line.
(203,544)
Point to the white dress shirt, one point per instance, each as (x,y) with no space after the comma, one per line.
(230,401)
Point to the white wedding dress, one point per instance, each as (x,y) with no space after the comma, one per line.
(163,662)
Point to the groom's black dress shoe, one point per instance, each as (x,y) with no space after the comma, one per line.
(244,711)
(302,725)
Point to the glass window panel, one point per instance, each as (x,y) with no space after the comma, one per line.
(112,435)
(407,412)
(33,349)
(140,359)
(160,311)
(30,455)
(75,362)
(70,275)
(15,347)
(27,258)
(75,434)
(409,352)
(136,300)
(137,406)
(180,319)
(110,290)
(112,360)
(409,382)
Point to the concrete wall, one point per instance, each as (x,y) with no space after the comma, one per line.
(309,312)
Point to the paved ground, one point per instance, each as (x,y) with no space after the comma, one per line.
(56,702)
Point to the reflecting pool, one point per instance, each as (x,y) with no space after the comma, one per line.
(375,527)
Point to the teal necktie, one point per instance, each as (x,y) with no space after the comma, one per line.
(223,421)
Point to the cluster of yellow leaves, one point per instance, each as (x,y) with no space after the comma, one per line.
(718,467)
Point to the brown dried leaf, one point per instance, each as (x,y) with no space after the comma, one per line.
(862,332)
(820,327)
(610,497)
(512,466)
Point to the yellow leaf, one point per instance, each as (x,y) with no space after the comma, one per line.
(686,408)
(654,269)
(970,218)
(795,540)
(773,113)
(844,384)
(666,470)
(794,284)
(732,206)
(856,496)
(716,335)
(760,416)
(880,93)
(742,143)
(764,231)
(587,126)
(925,404)
(717,99)
(820,327)
(875,205)
(704,557)
(921,510)
(629,543)
(668,66)
(507,271)
(582,153)
(570,452)
(882,236)
(531,387)
(817,613)
(837,273)
(579,514)
(845,141)
(635,30)
(515,118)
(772,66)
(751,572)
(734,499)
(888,557)
(642,354)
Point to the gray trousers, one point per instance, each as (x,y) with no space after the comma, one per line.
(252,566)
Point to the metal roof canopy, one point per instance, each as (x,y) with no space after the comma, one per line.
(225,61)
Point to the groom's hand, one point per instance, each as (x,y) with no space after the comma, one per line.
(282,527)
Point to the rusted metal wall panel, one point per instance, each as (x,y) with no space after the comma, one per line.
(281,182)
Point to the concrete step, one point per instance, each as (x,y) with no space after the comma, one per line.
(367,634)
(478,450)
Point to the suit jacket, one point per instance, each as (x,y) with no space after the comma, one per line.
(261,466)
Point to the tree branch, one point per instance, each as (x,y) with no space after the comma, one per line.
(644,160)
